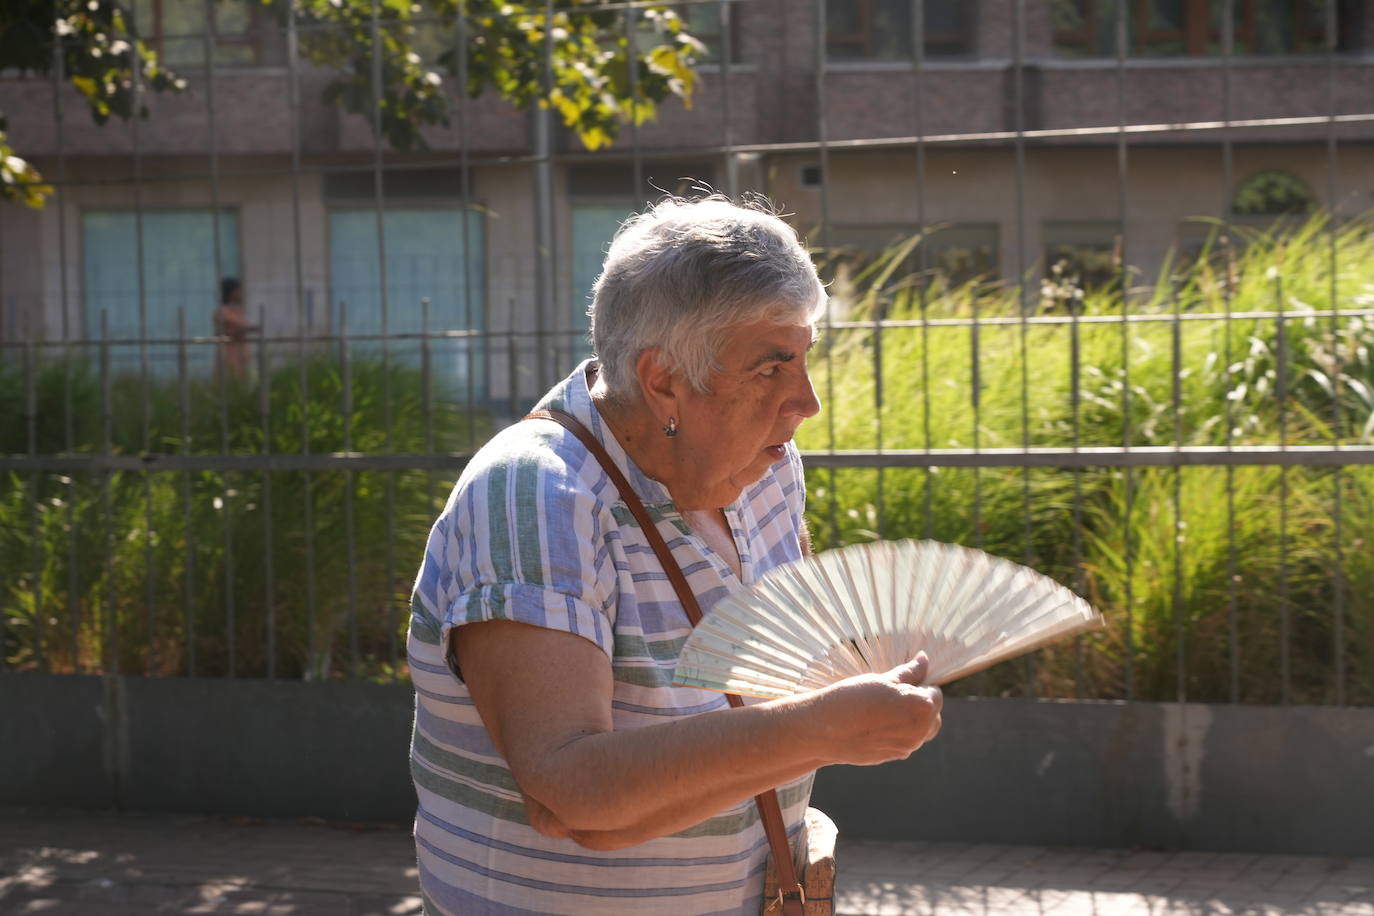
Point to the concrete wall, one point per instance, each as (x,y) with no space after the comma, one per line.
(1261,779)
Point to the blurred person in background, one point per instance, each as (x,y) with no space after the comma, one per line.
(232,327)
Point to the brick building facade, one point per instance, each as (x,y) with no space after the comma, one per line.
(300,220)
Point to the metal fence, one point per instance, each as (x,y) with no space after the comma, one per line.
(171,513)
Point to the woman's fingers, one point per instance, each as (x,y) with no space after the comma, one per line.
(878,717)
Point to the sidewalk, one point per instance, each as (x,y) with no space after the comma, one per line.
(94,864)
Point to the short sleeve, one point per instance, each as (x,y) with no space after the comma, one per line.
(527,543)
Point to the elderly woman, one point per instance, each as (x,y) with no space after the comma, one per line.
(557,767)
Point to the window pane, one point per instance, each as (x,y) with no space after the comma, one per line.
(962,253)
(593,226)
(1084,28)
(178,272)
(1272,193)
(951,254)
(1083,255)
(948,27)
(703,22)
(424,260)
(868,29)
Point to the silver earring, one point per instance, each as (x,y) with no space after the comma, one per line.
(670,429)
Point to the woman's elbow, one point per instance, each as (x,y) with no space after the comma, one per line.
(561,814)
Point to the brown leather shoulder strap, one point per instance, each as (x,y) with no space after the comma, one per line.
(633,502)
(770,811)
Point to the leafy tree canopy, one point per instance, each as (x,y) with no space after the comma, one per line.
(97,46)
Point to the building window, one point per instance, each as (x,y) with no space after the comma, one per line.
(178,275)
(881,29)
(176,30)
(1173,28)
(593,227)
(1086,255)
(1272,194)
(949,255)
(701,20)
(434,253)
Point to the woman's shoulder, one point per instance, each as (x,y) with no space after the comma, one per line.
(534,461)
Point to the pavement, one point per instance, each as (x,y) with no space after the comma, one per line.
(103,864)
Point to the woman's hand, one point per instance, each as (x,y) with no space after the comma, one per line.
(874,718)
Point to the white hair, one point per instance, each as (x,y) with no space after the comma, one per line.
(683,272)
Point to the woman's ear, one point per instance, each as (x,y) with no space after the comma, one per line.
(657,384)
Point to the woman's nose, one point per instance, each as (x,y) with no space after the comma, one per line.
(804,402)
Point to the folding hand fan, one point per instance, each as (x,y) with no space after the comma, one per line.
(871,607)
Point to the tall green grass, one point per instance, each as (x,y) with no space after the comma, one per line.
(1214,581)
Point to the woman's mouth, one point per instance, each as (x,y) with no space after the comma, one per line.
(776,451)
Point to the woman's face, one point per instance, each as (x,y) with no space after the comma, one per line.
(728,439)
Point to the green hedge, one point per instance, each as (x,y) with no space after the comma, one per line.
(117,582)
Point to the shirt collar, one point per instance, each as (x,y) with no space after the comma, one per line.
(572,396)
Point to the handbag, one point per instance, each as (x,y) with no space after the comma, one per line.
(785,891)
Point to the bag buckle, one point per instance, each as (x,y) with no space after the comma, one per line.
(776,904)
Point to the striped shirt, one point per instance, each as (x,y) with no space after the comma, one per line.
(536,532)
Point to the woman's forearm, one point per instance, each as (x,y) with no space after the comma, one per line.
(647,782)
(545,698)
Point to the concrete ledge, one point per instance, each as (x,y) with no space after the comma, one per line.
(1294,780)
(1175,776)
(335,750)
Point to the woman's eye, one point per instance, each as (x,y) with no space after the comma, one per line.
(769,372)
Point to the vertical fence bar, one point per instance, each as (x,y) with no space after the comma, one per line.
(1281,395)
(304,319)
(60,202)
(1121,153)
(227,509)
(465,182)
(544,272)
(389,477)
(184,412)
(1076,440)
(110,636)
(727,53)
(35,552)
(212,121)
(823,146)
(631,22)
(1337,421)
(149,562)
(1180,526)
(390,605)
(268,553)
(346,374)
(922,259)
(513,379)
(427,398)
(1330,40)
(1227,169)
(145,378)
(1018,55)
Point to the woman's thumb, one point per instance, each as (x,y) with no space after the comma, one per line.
(914,671)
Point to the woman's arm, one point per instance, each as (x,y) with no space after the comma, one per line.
(545,697)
